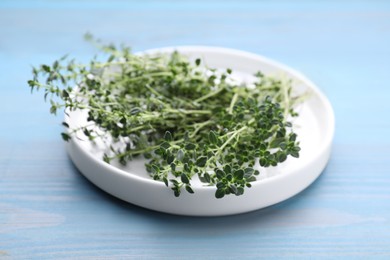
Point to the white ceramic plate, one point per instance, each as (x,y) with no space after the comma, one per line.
(315,128)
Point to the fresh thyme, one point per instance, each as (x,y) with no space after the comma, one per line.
(187,120)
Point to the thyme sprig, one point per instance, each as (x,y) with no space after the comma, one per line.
(187,120)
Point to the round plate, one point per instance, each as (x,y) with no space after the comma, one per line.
(314,126)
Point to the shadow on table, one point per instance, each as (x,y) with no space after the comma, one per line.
(285,214)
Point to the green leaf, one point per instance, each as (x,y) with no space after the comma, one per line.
(249,172)
(66,137)
(170,158)
(86,132)
(296,149)
(165,145)
(294,154)
(227,169)
(213,137)
(165,180)
(282,157)
(220,193)
(111,58)
(187,167)
(220,185)
(197,62)
(190,146)
(229,177)
(293,137)
(173,167)
(240,191)
(212,79)
(175,182)
(201,161)
(55,65)
(252,178)
(176,192)
(123,120)
(207,177)
(155,168)
(106,158)
(189,189)
(159,151)
(263,162)
(168,136)
(239,174)
(32,83)
(233,189)
(53,109)
(184,178)
(46,68)
(276,142)
(202,179)
(220,174)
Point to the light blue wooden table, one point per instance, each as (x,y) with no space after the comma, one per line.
(48,210)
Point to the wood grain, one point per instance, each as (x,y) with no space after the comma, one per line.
(48,210)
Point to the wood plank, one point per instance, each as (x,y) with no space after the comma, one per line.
(48,210)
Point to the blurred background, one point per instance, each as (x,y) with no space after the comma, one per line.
(48,210)
(320,38)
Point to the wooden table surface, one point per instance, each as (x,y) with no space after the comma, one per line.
(49,210)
